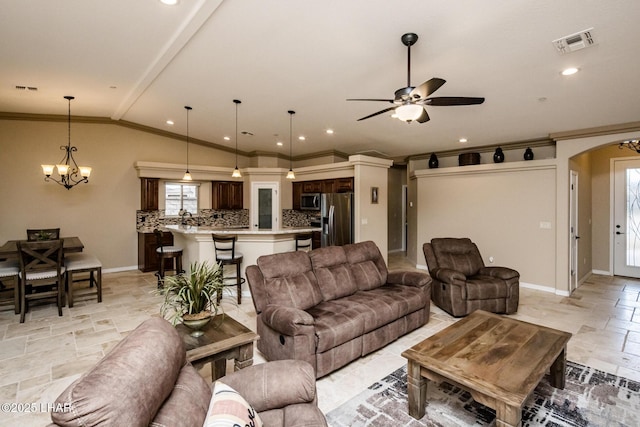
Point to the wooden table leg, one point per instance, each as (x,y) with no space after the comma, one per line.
(417,390)
(218,369)
(558,370)
(245,356)
(508,416)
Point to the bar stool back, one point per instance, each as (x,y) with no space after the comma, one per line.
(164,252)
(304,241)
(226,254)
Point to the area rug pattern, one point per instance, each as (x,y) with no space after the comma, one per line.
(590,398)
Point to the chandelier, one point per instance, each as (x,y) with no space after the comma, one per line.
(631,144)
(236,172)
(68,169)
(187,174)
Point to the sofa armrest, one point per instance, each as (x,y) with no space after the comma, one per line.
(274,385)
(286,320)
(504,273)
(410,278)
(449,276)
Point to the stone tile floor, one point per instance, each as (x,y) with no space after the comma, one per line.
(41,357)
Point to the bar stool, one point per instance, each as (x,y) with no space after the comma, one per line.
(226,254)
(174,253)
(10,270)
(304,241)
(83,263)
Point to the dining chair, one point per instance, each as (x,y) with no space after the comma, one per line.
(41,273)
(226,254)
(35,234)
(167,252)
(10,272)
(79,263)
(304,241)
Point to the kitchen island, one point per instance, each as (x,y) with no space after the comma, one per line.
(197,242)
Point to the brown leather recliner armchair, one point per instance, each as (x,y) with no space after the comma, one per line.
(462,283)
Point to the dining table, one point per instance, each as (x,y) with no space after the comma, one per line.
(69,245)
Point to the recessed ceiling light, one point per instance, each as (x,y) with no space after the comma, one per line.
(170,122)
(226,138)
(279,144)
(569,71)
(462,140)
(329,131)
(169,2)
(301,138)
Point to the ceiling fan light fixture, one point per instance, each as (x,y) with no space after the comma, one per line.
(409,112)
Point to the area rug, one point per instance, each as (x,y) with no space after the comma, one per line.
(590,398)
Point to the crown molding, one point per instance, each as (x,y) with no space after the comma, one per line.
(597,131)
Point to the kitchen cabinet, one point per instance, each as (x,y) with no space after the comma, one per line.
(147,257)
(315,240)
(297,192)
(312,186)
(329,186)
(227,195)
(149,190)
(344,185)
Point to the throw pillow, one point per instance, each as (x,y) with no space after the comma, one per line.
(228,409)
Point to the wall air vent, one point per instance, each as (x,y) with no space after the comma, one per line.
(29,88)
(576,41)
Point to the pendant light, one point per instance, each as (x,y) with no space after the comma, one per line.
(187,175)
(236,172)
(68,169)
(290,174)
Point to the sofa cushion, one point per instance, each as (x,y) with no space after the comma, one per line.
(486,287)
(229,409)
(289,280)
(129,372)
(188,402)
(333,272)
(336,323)
(457,254)
(367,265)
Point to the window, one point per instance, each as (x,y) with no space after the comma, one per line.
(179,197)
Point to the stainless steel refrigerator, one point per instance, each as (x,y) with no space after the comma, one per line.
(337,219)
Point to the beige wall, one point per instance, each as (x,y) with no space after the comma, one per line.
(102,212)
(502,208)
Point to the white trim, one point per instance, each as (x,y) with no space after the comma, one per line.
(119,269)
(602,272)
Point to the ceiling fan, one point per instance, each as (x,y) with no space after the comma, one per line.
(410,101)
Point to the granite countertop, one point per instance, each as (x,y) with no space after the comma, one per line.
(187,229)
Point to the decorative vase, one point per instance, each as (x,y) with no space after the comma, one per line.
(433,161)
(498,156)
(528,154)
(196,322)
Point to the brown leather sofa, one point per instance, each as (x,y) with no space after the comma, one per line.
(333,305)
(462,283)
(146,380)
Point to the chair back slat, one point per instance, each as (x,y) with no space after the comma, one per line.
(37,256)
(224,245)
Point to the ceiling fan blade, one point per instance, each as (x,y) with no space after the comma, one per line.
(424,117)
(427,88)
(379,112)
(452,100)
(370,99)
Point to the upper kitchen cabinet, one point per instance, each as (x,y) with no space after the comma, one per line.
(297,192)
(149,194)
(227,195)
(343,185)
(312,186)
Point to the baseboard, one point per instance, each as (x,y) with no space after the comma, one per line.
(539,287)
(393,251)
(602,272)
(120,269)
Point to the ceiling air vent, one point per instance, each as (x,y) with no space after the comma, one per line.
(576,41)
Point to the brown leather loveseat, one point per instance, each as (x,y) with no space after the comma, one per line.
(333,305)
(462,283)
(146,381)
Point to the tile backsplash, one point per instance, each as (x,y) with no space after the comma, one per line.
(147,221)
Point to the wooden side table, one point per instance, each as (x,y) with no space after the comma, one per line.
(224,339)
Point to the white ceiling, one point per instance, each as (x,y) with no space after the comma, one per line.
(142,62)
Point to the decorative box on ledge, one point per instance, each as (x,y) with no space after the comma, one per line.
(466,159)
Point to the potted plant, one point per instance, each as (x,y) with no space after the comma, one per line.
(192,298)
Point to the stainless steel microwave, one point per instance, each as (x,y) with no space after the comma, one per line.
(310,201)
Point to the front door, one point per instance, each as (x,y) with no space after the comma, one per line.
(626,218)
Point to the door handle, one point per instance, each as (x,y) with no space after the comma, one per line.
(617,232)
(577,237)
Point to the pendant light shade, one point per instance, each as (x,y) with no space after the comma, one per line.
(187,175)
(236,172)
(290,174)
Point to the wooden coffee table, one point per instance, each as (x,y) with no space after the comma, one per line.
(499,360)
(224,339)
